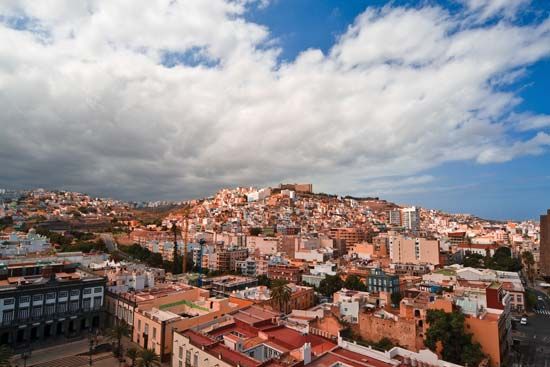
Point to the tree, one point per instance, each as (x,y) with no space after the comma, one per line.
(396,298)
(530,299)
(148,358)
(5,356)
(354,282)
(330,285)
(117,332)
(473,260)
(503,260)
(447,330)
(280,296)
(264,280)
(133,354)
(529,261)
(254,231)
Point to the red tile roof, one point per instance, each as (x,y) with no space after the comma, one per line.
(349,358)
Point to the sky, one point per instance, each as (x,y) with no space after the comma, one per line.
(442,104)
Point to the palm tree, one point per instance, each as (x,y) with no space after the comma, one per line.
(5,356)
(117,332)
(280,296)
(132,353)
(148,358)
(528,260)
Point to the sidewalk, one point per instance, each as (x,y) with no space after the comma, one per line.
(55,353)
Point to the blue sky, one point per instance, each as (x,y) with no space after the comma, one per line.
(518,189)
(438,104)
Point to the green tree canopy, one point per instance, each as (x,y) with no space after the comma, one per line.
(330,285)
(148,358)
(355,283)
(280,296)
(264,280)
(448,329)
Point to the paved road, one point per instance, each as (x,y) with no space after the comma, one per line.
(533,340)
(109,242)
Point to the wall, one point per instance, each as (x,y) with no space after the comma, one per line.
(402,332)
(485,332)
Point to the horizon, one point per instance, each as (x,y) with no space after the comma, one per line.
(341,195)
(439,104)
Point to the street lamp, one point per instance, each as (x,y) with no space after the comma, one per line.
(92,341)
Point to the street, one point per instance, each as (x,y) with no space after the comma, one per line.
(532,341)
(109,242)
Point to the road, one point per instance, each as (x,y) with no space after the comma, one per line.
(532,341)
(543,302)
(109,241)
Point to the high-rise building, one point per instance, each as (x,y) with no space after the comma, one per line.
(545,244)
(411,218)
(395,217)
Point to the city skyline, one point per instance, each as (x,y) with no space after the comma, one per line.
(437,104)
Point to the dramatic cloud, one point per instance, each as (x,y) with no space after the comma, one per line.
(169,99)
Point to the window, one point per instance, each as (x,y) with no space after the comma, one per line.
(87,291)
(23,313)
(7,317)
(146,331)
(50,296)
(154,333)
(9,301)
(98,289)
(63,294)
(62,307)
(37,312)
(73,306)
(75,292)
(86,304)
(25,299)
(98,301)
(196,360)
(50,309)
(180,354)
(139,325)
(37,298)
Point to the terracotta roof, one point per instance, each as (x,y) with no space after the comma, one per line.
(232,357)
(349,358)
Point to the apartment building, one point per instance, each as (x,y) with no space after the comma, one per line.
(351,235)
(380,281)
(413,250)
(46,300)
(286,272)
(410,218)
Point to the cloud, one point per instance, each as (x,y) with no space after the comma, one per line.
(168,99)
(482,10)
(528,121)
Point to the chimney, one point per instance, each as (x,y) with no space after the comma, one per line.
(306,353)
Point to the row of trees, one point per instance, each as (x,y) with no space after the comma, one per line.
(501,260)
(74,240)
(155,259)
(138,358)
